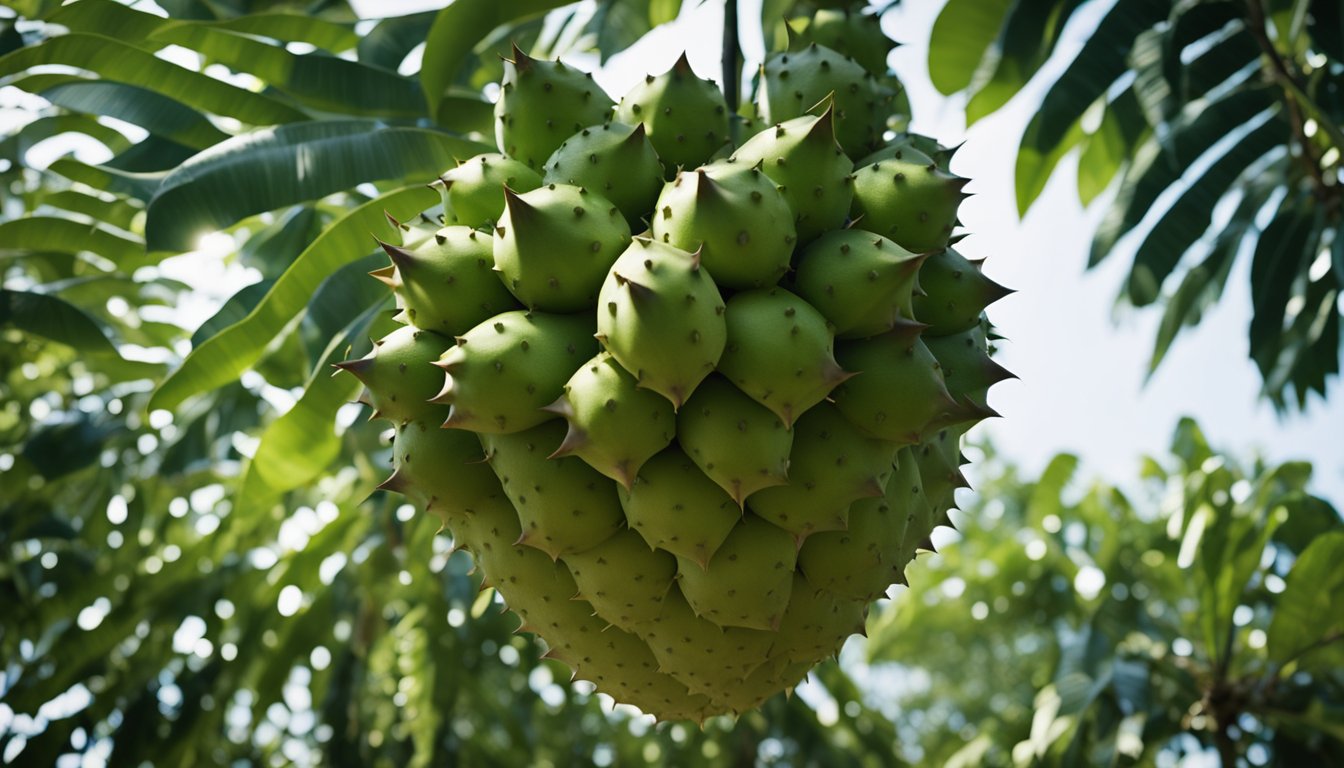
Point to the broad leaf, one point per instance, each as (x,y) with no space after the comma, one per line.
(1308,625)
(53,318)
(963,31)
(273,168)
(225,356)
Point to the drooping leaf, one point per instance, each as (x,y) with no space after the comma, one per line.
(118,61)
(272,168)
(53,318)
(961,34)
(61,235)
(1308,625)
(456,31)
(224,357)
(144,107)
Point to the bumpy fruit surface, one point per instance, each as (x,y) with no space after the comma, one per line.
(691,458)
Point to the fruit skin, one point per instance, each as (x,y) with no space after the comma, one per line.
(503,372)
(399,373)
(898,394)
(862,283)
(616,161)
(564,506)
(448,284)
(794,82)
(956,293)
(473,191)
(532,88)
(553,246)
(803,159)
(734,217)
(660,315)
(614,425)
(854,34)
(779,351)
(686,118)
(910,200)
(675,507)
(738,443)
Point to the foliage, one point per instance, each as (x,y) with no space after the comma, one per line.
(1200,610)
(1217,125)
(197,567)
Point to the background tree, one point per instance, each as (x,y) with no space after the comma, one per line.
(197,566)
(1217,125)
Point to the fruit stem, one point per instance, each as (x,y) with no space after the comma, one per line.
(732,54)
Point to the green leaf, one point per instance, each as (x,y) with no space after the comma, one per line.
(1029,34)
(60,235)
(140,186)
(1108,149)
(273,168)
(1034,168)
(1101,61)
(456,31)
(110,210)
(1190,215)
(392,39)
(146,108)
(295,28)
(1280,256)
(1158,165)
(663,11)
(1308,623)
(234,309)
(118,61)
(316,80)
(961,34)
(14,146)
(52,318)
(225,356)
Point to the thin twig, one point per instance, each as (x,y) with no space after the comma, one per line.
(1295,98)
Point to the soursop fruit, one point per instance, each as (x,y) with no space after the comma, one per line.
(690,406)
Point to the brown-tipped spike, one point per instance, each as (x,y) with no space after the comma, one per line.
(520,60)
(396,483)
(872,488)
(357,367)
(447,394)
(401,257)
(560,407)
(393,220)
(682,65)
(623,474)
(575,439)
(387,276)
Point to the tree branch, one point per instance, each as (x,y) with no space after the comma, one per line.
(1295,98)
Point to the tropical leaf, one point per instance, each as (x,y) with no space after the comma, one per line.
(223,357)
(273,168)
(53,318)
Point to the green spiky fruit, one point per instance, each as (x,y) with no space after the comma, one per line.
(685,117)
(473,191)
(911,201)
(734,217)
(779,352)
(542,103)
(660,316)
(852,33)
(448,284)
(616,161)
(675,507)
(956,292)
(701,454)
(399,373)
(794,82)
(563,505)
(613,424)
(862,283)
(738,443)
(554,245)
(802,157)
(502,373)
